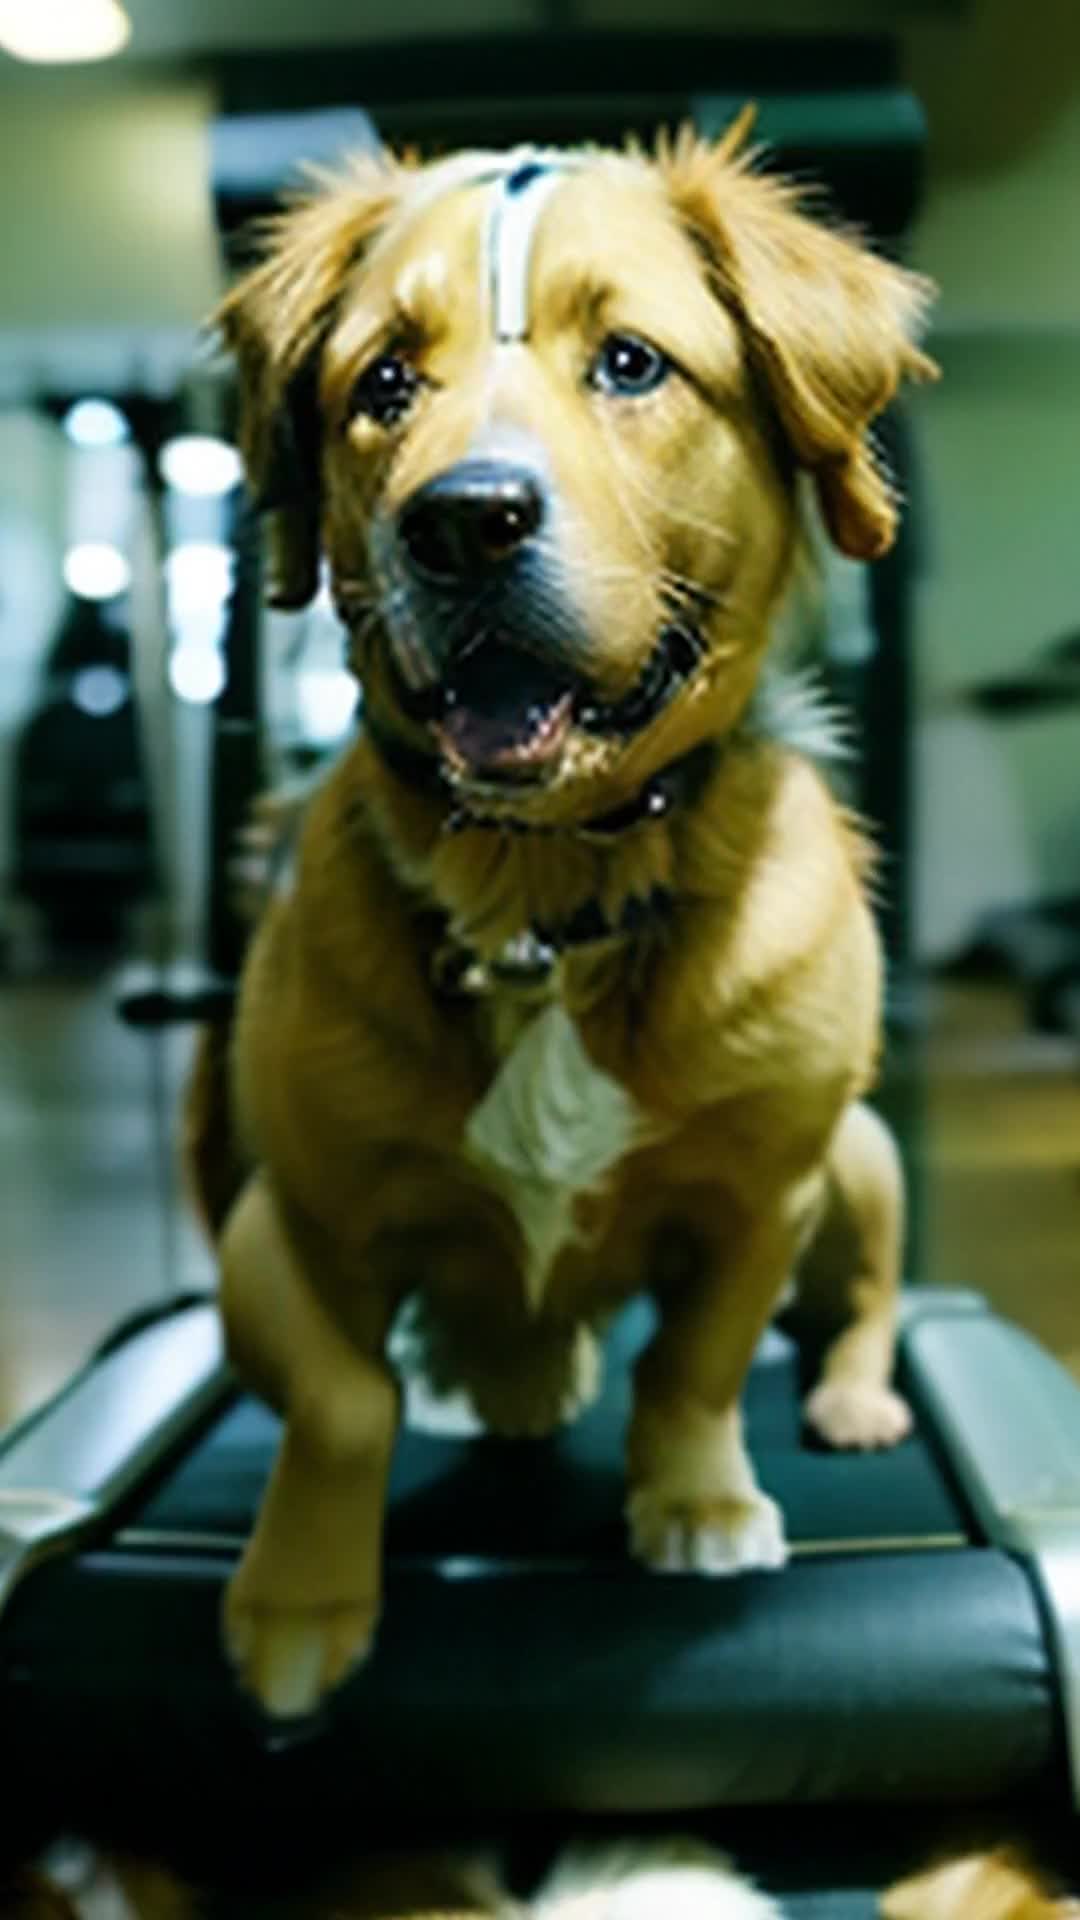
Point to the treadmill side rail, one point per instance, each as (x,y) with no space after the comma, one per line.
(66,1472)
(1008,1415)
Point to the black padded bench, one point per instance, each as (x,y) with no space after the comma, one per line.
(916,1666)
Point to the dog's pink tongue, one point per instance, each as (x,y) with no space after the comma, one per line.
(504,710)
(480,741)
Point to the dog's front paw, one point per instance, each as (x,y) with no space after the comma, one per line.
(290,1658)
(720,1536)
(845,1413)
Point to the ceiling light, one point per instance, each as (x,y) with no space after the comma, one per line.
(326,698)
(199,463)
(100,691)
(55,31)
(199,577)
(95,423)
(196,674)
(94,570)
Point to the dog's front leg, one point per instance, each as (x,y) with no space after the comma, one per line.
(852,1271)
(302,1606)
(694,1502)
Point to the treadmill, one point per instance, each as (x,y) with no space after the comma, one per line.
(909,1684)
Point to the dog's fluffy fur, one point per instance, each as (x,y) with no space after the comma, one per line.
(676,1104)
(977,1886)
(672,1879)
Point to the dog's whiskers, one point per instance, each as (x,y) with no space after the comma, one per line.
(679,588)
(620,474)
(625,475)
(616,574)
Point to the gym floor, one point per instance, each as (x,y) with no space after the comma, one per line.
(86,1111)
(86,1163)
(1002,1190)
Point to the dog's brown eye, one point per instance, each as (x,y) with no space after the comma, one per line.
(385,389)
(628,365)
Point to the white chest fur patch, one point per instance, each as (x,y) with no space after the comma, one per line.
(634,1880)
(549,1127)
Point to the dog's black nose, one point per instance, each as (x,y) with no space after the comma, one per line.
(467,520)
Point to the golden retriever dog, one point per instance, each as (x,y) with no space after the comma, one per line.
(573,990)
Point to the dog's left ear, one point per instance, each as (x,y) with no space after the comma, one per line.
(828,323)
(276,319)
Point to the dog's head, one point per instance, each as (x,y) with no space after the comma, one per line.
(543,413)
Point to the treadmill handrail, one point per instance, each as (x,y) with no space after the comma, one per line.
(66,1473)
(1013,1469)
(1008,1416)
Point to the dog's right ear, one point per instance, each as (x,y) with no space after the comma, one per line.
(275,320)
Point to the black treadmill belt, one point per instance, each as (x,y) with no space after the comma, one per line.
(562,1498)
(525,1664)
(596,1692)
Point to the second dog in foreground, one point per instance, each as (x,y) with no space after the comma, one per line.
(574,988)
(671,1879)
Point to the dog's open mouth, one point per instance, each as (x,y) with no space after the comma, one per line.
(505,713)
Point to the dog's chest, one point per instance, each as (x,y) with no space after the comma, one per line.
(551,1125)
